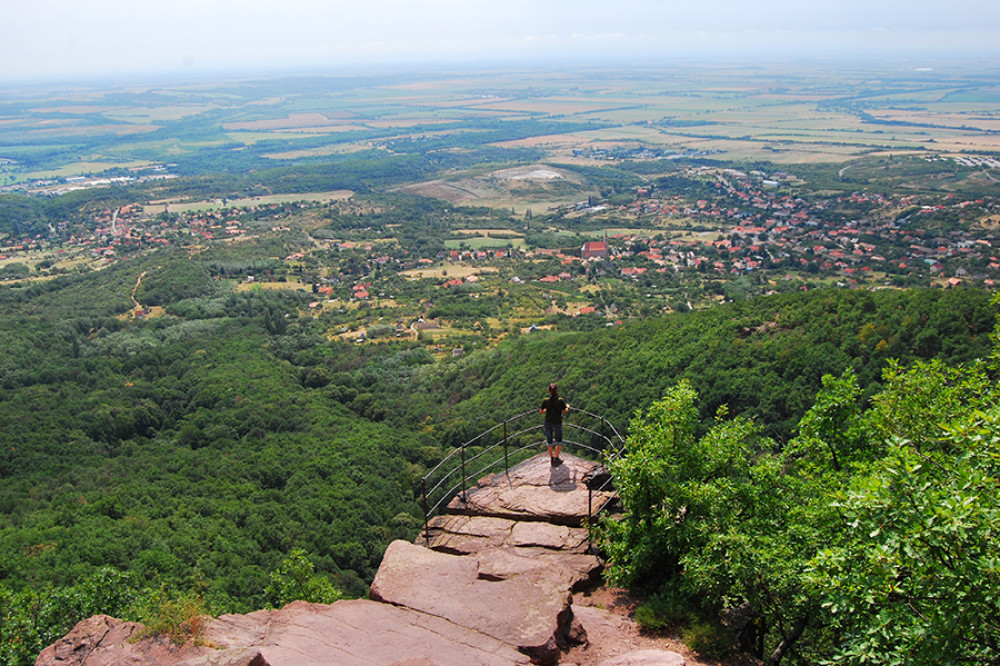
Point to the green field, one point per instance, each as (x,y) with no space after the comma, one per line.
(782,114)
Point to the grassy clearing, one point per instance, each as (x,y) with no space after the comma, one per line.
(480,242)
(84,168)
(273,286)
(496,233)
(521,205)
(449,271)
(251,202)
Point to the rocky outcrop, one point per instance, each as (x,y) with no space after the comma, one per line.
(517,494)
(529,609)
(107,641)
(357,632)
(491,584)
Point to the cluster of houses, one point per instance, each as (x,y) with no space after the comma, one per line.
(745,224)
(764,227)
(116,233)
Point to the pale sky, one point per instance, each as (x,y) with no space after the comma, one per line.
(45,39)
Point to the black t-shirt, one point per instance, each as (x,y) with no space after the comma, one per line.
(553,409)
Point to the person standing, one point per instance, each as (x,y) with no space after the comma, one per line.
(554,407)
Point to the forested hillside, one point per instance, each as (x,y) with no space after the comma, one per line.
(870,537)
(763,359)
(199,452)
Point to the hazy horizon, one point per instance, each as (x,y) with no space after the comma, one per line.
(60,40)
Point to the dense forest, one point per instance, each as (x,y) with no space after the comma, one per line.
(205,453)
(870,537)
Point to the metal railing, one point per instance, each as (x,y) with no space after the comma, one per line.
(514,440)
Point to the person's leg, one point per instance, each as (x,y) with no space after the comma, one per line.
(549,435)
(557,432)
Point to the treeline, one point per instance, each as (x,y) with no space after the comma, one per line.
(763,359)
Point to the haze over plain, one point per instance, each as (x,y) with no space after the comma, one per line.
(60,39)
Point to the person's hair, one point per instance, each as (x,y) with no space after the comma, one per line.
(553,390)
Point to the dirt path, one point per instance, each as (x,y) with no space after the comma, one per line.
(608,614)
(135,290)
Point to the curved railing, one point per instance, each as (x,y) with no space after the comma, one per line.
(513,439)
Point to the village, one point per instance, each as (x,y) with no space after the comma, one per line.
(741,234)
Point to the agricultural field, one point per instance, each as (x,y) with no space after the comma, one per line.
(468,197)
(784,115)
(158,207)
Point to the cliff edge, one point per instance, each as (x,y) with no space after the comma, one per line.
(492,582)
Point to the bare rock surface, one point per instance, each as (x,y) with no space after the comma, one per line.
(106,641)
(529,610)
(646,658)
(615,639)
(535,491)
(465,534)
(575,571)
(357,632)
(494,587)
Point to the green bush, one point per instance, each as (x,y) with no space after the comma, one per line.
(179,616)
(708,638)
(296,580)
(668,608)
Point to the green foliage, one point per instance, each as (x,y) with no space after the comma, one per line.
(665,609)
(913,577)
(296,579)
(176,281)
(31,619)
(197,450)
(709,639)
(763,359)
(871,537)
(180,617)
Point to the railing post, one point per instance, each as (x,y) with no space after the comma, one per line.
(604,438)
(590,502)
(590,517)
(423,491)
(464,496)
(506,462)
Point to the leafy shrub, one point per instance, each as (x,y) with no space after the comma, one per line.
(708,639)
(181,617)
(296,579)
(668,608)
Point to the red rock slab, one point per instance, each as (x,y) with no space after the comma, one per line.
(530,611)
(347,633)
(356,632)
(575,570)
(616,640)
(461,535)
(646,658)
(464,535)
(547,535)
(102,640)
(534,490)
